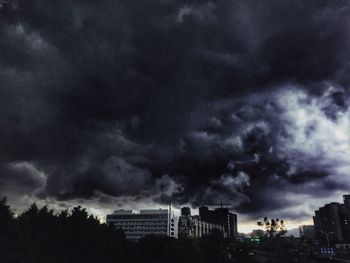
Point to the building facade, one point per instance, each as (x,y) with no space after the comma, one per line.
(220,216)
(332,221)
(194,227)
(307,231)
(146,222)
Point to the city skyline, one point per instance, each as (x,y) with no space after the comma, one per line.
(120,104)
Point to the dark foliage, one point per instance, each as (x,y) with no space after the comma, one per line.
(39,235)
(274,227)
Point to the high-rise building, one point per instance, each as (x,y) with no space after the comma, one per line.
(185,211)
(307,231)
(332,221)
(195,227)
(346,200)
(5,5)
(146,222)
(221,216)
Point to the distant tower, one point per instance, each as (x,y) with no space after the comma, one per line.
(185,211)
(346,199)
(5,5)
(203,211)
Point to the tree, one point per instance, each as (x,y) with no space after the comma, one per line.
(8,233)
(273,227)
(6,214)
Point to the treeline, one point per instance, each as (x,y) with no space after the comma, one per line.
(39,235)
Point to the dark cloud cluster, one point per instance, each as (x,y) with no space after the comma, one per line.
(197,101)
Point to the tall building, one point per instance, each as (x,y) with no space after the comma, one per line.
(147,222)
(221,216)
(307,231)
(332,221)
(5,5)
(195,227)
(346,200)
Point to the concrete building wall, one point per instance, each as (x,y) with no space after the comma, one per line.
(332,221)
(195,227)
(147,222)
(221,216)
(307,231)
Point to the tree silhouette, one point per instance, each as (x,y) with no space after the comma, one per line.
(273,227)
(39,235)
(8,233)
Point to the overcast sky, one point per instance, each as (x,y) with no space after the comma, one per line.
(130,103)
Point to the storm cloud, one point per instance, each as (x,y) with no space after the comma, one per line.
(240,102)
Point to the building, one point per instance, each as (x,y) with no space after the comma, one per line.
(5,5)
(146,222)
(220,216)
(332,221)
(194,227)
(307,231)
